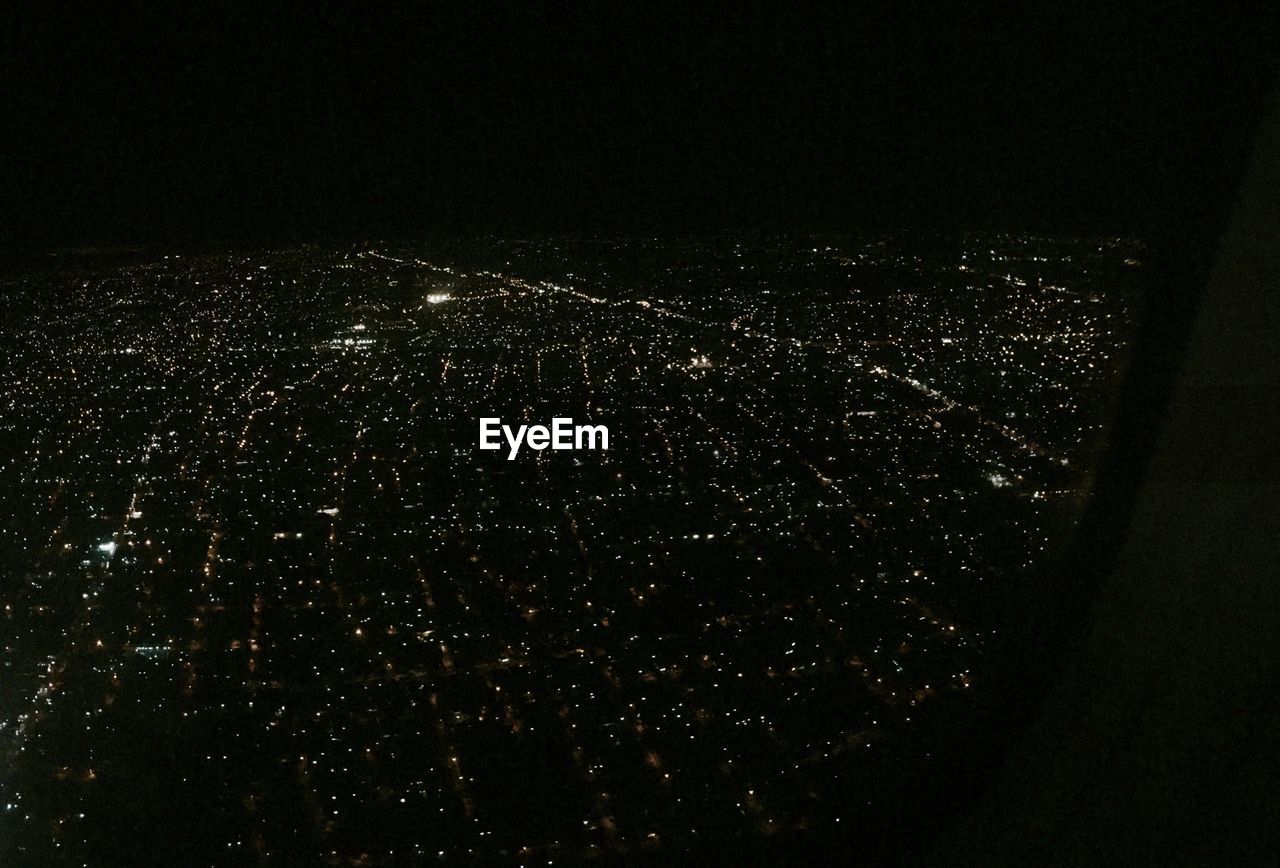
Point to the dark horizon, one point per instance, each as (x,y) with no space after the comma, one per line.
(262,127)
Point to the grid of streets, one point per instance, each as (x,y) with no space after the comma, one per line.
(260,584)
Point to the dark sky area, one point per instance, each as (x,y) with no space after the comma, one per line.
(153,122)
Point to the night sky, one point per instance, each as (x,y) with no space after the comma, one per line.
(328,121)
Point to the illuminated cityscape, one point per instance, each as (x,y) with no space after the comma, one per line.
(258,576)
